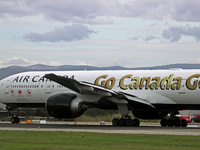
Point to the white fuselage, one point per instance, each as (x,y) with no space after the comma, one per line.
(155,86)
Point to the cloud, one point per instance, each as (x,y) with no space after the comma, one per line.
(98,20)
(90,11)
(114,62)
(15,8)
(153,25)
(175,33)
(147,38)
(84,11)
(67,33)
(55,63)
(79,62)
(185,10)
(14,61)
(150,38)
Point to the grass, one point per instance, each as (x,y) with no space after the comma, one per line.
(69,140)
(107,118)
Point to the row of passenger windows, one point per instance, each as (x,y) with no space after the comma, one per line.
(25,86)
(34,86)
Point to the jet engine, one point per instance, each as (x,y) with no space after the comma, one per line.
(64,105)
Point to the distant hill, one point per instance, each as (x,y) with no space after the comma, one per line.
(4,72)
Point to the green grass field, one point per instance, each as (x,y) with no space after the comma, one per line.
(45,140)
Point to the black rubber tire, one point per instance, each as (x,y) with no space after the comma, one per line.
(170,123)
(177,122)
(163,122)
(115,122)
(12,120)
(122,122)
(129,122)
(16,119)
(184,123)
(136,122)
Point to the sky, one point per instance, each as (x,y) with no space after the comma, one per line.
(127,33)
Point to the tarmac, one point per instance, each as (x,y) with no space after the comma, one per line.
(106,127)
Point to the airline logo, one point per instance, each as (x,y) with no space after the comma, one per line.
(28,92)
(153,83)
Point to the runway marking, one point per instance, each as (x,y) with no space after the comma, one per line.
(146,128)
(193,126)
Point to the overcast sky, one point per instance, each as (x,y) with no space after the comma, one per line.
(129,33)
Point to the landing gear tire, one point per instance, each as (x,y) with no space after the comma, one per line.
(170,123)
(177,122)
(174,122)
(122,122)
(125,121)
(184,123)
(115,122)
(136,122)
(164,122)
(14,111)
(129,122)
(14,120)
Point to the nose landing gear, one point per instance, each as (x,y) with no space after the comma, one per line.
(14,110)
(15,120)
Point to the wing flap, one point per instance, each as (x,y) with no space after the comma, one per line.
(136,99)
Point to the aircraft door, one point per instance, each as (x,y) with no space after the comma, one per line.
(183,96)
(182,89)
(117,88)
(48,87)
(7,87)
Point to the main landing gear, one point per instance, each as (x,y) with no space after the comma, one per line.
(15,118)
(173,121)
(126,121)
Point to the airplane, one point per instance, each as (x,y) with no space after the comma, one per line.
(190,115)
(148,94)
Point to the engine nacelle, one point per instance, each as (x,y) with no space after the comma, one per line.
(64,105)
(149,114)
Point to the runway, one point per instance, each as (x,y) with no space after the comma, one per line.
(144,128)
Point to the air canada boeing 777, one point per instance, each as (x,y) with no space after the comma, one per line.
(148,94)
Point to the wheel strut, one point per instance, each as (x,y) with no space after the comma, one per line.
(15,118)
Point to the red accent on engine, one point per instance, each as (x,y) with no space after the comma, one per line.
(188,118)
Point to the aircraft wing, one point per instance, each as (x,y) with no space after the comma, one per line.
(84,87)
(79,86)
